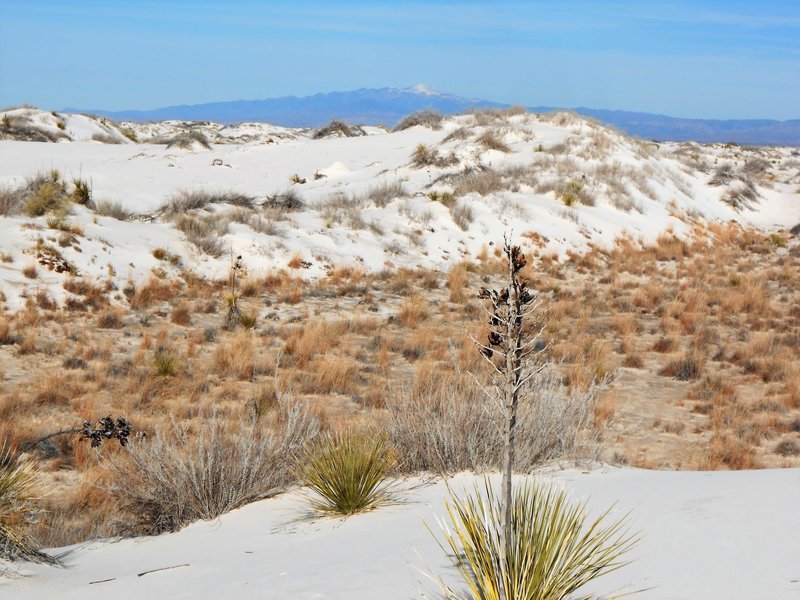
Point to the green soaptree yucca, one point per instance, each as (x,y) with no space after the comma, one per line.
(555,548)
(347,472)
(18,497)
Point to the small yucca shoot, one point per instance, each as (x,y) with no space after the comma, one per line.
(552,552)
(347,472)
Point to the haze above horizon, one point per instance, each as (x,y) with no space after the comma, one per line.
(715,59)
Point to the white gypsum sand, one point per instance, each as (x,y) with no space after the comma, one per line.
(704,536)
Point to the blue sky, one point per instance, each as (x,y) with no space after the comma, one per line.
(715,59)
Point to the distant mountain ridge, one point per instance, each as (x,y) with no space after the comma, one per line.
(386,106)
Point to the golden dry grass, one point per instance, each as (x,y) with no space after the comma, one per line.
(724,301)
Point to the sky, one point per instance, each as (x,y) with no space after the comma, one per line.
(705,59)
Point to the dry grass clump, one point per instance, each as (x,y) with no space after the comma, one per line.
(185,140)
(105,138)
(237,357)
(316,338)
(462,215)
(204,232)
(383,193)
(332,374)
(491,141)
(741,196)
(457,283)
(337,128)
(425,156)
(483,182)
(413,310)
(151,291)
(686,368)
(110,208)
(287,201)
(188,200)
(178,476)
(40,194)
(423,118)
(341,208)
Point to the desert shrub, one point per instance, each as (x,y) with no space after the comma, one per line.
(50,257)
(6,336)
(723,175)
(204,232)
(553,551)
(491,141)
(442,425)
(445,198)
(563,118)
(424,156)
(347,472)
(424,118)
(59,222)
(10,201)
(248,321)
(462,215)
(129,133)
(385,192)
(185,140)
(287,201)
(165,363)
(115,210)
(487,116)
(335,128)
(341,208)
(462,133)
(176,477)
(109,320)
(43,193)
(18,500)
(788,448)
(105,138)
(576,192)
(741,196)
(187,200)
(483,182)
(777,240)
(685,368)
(755,166)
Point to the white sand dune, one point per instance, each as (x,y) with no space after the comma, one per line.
(704,536)
(661,192)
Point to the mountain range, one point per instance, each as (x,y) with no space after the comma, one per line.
(387,106)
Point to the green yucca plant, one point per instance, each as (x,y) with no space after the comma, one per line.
(552,551)
(347,472)
(165,362)
(18,498)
